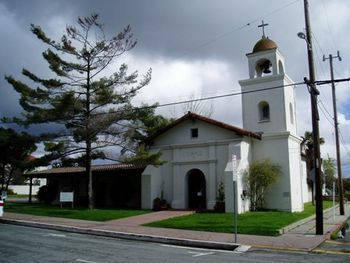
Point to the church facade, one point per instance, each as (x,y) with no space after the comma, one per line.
(201,154)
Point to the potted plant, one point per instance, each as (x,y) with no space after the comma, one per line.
(160,203)
(220,199)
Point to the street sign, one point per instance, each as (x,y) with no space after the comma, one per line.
(235,200)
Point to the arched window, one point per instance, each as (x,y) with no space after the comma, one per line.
(264,111)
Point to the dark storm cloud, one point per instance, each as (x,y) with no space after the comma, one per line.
(193,30)
(165,29)
(186,29)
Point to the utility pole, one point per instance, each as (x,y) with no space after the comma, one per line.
(340,180)
(315,125)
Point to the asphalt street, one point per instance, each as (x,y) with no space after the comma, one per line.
(25,244)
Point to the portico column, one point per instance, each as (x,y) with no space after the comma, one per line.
(179,188)
(211,185)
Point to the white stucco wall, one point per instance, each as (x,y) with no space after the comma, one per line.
(149,190)
(296,176)
(276,149)
(278,99)
(305,189)
(181,153)
(283,149)
(242,151)
(24,189)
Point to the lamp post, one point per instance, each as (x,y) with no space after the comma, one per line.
(315,119)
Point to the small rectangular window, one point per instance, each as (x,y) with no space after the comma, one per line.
(194,133)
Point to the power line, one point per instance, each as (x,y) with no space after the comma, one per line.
(328,25)
(326,110)
(322,82)
(343,143)
(223,95)
(249,23)
(321,65)
(157,105)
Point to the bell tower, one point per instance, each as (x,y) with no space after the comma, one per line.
(268,107)
(268,98)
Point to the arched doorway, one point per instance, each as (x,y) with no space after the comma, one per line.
(196,190)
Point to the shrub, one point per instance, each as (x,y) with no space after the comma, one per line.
(258,178)
(47,193)
(10,192)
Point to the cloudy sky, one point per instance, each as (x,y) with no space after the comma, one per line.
(195,48)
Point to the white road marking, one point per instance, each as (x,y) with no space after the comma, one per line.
(54,235)
(197,248)
(199,254)
(85,261)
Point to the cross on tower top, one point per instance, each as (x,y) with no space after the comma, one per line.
(263,27)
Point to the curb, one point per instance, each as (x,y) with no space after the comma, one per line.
(286,229)
(290,249)
(337,228)
(127,236)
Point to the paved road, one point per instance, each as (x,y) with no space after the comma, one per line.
(24,244)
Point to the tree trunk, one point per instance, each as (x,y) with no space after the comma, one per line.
(9,178)
(2,177)
(89,175)
(88,139)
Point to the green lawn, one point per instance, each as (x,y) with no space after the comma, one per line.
(257,223)
(76,213)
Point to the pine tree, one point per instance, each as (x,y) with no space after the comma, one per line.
(15,150)
(94,106)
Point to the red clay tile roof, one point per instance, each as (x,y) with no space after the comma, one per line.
(95,168)
(191,115)
(29,158)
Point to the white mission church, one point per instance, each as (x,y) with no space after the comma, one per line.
(198,150)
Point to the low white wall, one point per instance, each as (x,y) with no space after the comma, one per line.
(24,189)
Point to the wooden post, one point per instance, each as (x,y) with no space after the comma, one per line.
(30,189)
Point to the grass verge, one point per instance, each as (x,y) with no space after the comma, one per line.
(74,213)
(254,223)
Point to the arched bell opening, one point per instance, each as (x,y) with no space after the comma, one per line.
(280,67)
(263,67)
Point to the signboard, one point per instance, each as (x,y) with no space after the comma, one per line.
(66,197)
(234,167)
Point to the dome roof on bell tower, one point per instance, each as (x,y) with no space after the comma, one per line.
(264,44)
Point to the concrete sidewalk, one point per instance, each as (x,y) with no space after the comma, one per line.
(299,236)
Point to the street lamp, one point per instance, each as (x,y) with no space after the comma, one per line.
(302,35)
